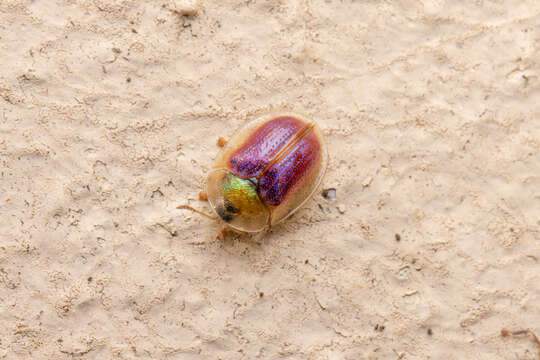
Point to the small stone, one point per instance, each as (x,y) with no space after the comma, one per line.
(341,208)
(186,7)
(329,194)
(367,181)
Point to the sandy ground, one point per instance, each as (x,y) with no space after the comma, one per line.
(109,116)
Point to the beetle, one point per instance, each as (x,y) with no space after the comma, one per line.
(265,172)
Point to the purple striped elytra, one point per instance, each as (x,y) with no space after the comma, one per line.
(268,169)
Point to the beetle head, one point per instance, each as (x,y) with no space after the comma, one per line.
(236,201)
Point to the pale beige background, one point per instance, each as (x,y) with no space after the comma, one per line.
(109,116)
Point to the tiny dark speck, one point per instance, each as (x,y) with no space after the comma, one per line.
(398,237)
(429,332)
(261,294)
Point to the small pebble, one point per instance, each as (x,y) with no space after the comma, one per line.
(341,208)
(367,181)
(186,7)
(329,194)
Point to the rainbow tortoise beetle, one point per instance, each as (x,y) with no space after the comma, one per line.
(266,171)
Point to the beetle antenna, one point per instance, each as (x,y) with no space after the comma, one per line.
(187,207)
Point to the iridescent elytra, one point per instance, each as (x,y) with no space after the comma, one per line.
(266,171)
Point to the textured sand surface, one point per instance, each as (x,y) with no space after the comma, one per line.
(109,116)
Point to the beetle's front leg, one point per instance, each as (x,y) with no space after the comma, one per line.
(221,142)
(225,229)
(203,196)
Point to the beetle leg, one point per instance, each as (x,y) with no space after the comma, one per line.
(221,142)
(259,237)
(203,196)
(222,234)
(187,207)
